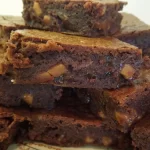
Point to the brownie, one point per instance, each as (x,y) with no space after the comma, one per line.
(141,134)
(35,96)
(135,32)
(70,127)
(7,24)
(72,61)
(88,18)
(123,107)
(9,126)
(70,124)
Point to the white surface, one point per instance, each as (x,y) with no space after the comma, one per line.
(140,8)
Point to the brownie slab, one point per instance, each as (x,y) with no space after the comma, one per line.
(70,124)
(35,96)
(141,133)
(135,32)
(72,61)
(88,18)
(121,108)
(7,24)
(9,126)
(73,128)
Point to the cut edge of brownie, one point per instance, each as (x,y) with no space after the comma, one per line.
(140,134)
(67,58)
(120,108)
(101,16)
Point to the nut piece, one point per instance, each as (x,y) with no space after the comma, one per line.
(89,140)
(128,71)
(44,77)
(121,118)
(101,114)
(61,137)
(55,71)
(88,6)
(102,10)
(106,141)
(37,8)
(47,19)
(28,98)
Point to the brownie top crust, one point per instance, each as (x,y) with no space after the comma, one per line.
(140,84)
(63,40)
(131,24)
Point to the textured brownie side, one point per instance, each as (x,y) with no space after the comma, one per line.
(89,18)
(7,24)
(135,32)
(141,134)
(71,124)
(35,96)
(9,126)
(73,61)
(121,108)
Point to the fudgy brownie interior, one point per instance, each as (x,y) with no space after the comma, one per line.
(72,61)
(89,18)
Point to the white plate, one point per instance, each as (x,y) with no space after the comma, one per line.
(41,146)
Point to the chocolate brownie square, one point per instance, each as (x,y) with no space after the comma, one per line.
(135,32)
(141,134)
(88,18)
(7,24)
(120,108)
(72,61)
(69,124)
(35,96)
(9,126)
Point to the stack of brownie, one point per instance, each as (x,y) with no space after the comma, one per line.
(75,73)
